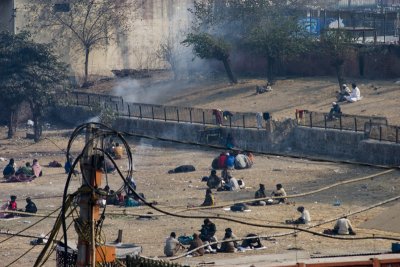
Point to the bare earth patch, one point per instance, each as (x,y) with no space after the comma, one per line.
(174,192)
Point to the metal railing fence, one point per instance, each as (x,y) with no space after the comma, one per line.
(161,112)
(354,123)
(381,132)
(375,127)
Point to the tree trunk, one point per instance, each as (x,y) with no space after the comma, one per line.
(12,123)
(87,51)
(340,73)
(37,128)
(228,70)
(271,70)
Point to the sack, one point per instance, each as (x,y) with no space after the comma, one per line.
(239,207)
(55,164)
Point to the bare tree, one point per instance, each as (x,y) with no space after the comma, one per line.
(91,24)
(168,53)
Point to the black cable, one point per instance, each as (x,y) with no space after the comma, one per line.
(30,226)
(108,131)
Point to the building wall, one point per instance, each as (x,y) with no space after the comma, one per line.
(7,15)
(153,23)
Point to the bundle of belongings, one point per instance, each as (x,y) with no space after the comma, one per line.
(183,168)
(239,207)
(231,161)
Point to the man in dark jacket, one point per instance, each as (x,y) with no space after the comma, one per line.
(9,169)
(207,231)
(214,181)
(30,206)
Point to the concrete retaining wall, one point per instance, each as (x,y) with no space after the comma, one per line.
(326,142)
(283,138)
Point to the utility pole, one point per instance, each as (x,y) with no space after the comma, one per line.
(89,209)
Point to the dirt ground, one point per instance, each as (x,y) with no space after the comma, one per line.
(174,192)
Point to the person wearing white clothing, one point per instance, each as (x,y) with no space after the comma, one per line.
(343,227)
(305,217)
(355,94)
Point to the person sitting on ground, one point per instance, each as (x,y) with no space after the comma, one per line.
(194,244)
(343,227)
(227,246)
(109,147)
(224,175)
(260,193)
(12,206)
(232,185)
(209,198)
(9,170)
(112,198)
(68,166)
(130,202)
(183,168)
(355,94)
(118,151)
(222,160)
(335,111)
(36,168)
(30,206)
(214,181)
(107,165)
(305,217)
(250,156)
(344,91)
(279,192)
(230,161)
(207,232)
(172,245)
(229,230)
(130,184)
(252,243)
(26,170)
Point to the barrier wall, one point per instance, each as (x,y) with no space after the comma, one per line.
(284,138)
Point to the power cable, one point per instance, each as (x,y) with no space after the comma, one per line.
(30,226)
(125,182)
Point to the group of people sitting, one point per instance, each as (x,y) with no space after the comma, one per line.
(277,196)
(224,183)
(206,242)
(27,172)
(11,205)
(233,160)
(345,94)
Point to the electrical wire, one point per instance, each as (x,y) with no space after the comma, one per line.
(107,131)
(30,226)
